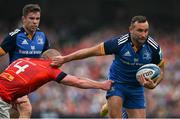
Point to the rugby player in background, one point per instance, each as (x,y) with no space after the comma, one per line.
(27,41)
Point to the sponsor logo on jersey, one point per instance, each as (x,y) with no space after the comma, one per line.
(24,42)
(127,54)
(136,62)
(40,39)
(7,76)
(30,52)
(146,55)
(32,47)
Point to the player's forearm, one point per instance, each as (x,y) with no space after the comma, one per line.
(160,78)
(87,83)
(84,83)
(80,54)
(162,74)
(85,53)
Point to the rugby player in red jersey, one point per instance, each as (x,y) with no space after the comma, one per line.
(25,75)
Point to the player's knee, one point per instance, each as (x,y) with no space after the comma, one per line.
(25,109)
(115,115)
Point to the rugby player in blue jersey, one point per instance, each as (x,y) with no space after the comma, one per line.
(130,51)
(27,41)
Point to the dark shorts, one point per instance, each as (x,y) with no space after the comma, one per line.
(133,96)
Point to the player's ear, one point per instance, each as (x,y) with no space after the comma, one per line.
(130,28)
(22,18)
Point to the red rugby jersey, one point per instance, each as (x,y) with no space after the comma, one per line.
(26,75)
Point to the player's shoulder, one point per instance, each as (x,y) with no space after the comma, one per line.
(15,32)
(152,43)
(118,41)
(122,39)
(11,36)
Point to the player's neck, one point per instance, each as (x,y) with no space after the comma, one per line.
(135,46)
(29,33)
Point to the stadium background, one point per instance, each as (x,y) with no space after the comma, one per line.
(74,24)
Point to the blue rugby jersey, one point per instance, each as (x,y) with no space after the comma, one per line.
(18,45)
(126,62)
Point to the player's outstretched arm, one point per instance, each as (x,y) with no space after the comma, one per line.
(97,50)
(86,83)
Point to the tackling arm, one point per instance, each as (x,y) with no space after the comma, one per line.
(85,83)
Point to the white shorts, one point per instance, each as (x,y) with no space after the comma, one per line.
(4,109)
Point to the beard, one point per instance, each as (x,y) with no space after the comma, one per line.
(139,41)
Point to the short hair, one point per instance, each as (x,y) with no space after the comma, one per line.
(50,53)
(139,19)
(31,8)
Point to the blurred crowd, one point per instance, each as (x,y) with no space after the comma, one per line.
(54,100)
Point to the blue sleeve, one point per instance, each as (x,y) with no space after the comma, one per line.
(9,43)
(111,46)
(157,56)
(46,45)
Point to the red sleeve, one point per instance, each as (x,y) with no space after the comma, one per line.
(57,74)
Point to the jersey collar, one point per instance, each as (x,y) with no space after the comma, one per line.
(28,35)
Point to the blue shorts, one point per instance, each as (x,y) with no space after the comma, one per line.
(133,96)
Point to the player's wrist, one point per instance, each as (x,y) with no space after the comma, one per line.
(150,85)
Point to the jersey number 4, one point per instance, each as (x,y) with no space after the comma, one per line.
(20,68)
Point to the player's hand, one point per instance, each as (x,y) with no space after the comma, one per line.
(150,84)
(57,61)
(147,83)
(107,84)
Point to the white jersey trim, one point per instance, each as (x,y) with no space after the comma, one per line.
(123,39)
(152,42)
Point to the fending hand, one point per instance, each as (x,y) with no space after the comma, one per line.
(107,84)
(57,61)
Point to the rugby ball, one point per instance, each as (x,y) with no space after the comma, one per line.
(151,71)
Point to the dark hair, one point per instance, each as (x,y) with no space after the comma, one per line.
(139,19)
(31,8)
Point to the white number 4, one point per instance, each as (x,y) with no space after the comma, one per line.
(20,68)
